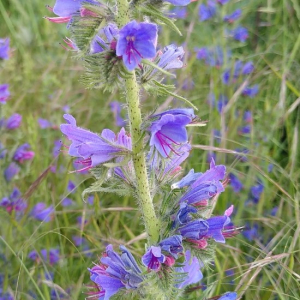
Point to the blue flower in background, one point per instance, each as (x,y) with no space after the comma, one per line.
(4,93)
(233,16)
(4,48)
(208,11)
(240,34)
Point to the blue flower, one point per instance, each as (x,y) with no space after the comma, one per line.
(115,272)
(187,180)
(251,91)
(248,68)
(11,171)
(136,41)
(229,296)
(178,13)
(240,34)
(222,102)
(194,229)
(94,149)
(208,11)
(179,2)
(183,215)
(171,58)
(115,107)
(172,245)
(235,183)
(4,48)
(153,258)
(22,153)
(13,121)
(167,131)
(256,191)
(4,93)
(191,267)
(233,16)
(42,213)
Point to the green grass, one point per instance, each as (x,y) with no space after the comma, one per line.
(44,78)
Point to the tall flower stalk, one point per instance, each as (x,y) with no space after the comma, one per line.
(120,52)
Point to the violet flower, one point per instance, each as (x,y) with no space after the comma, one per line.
(240,34)
(92,148)
(178,13)
(191,267)
(208,11)
(229,296)
(104,38)
(172,245)
(222,2)
(248,68)
(11,171)
(42,213)
(136,41)
(51,256)
(233,16)
(43,123)
(71,186)
(65,9)
(206,186)
(248,116)
(14,202)
(251,91)
(115,272)
(187,180)
(4,48)
(22,153)
(4,93)
(222,102)
(67,202)
(183,215)
(153,258)
(167,131)
(13,121)
(256,191)
(235,183)
(171,57)
(179,2)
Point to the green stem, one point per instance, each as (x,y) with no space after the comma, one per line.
(139,161)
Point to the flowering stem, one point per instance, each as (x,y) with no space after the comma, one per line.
(139,161)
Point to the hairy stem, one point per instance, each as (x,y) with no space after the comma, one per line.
(139,161)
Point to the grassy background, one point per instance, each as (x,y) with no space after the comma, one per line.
(44,78)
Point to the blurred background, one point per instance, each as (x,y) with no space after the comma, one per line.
(241,71)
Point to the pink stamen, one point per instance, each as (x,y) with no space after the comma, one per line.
(49,8)
(59,20)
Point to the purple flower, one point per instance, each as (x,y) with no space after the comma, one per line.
(13,202)
(136,41)
(171,58)
(240,34)
(235,183)
(172,245)
(33,255)
(115,272)
(65,9)
(270,168)
(51,256)
(194,229)
(183,215)
(3,151)
(22,153)
(153,258)
(71,186)
(222,102)
(115,107)
(13,121)
(42,213)
(4,48)
(191,267)
(67,202)
(56,148)
(251,91)
(4,93)
(248,68)
(11,171)
(206,186)
(104,38)
(178,13)
(95,149)
(179,2)
(167,131)
(233,16)
(208,11)
(229,296)
(43,123)
(245,129)
(248,116)
(256,191)
(187,180)
(213,57)
(250,233)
